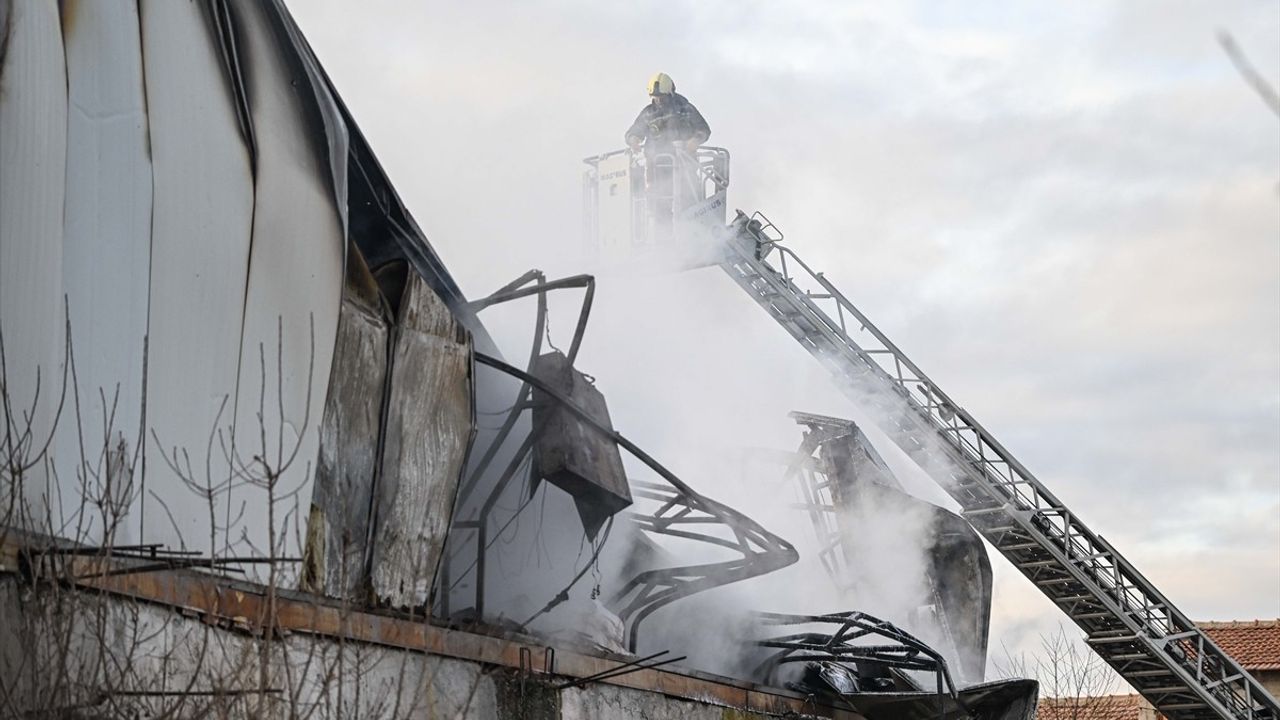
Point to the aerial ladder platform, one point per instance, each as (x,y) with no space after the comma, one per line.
(1127,621)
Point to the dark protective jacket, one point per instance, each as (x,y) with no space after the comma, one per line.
(676,121)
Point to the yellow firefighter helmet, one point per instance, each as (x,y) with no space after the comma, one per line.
(661,84)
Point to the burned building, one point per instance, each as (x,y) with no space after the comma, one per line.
(263,457)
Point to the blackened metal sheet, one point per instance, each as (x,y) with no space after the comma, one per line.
(957,573)
(377,220)
(571,455)
(1013,699)
(960,573)
(382,226)
(292,297)
(427,431)
(329,133)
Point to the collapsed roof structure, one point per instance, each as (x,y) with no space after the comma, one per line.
(240,387)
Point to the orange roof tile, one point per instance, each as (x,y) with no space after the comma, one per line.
(1099,707)
(1255,644)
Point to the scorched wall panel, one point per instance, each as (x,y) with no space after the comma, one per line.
(429,417)
(292,297)
(339,528)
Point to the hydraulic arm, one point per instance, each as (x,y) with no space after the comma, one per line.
(1127,621)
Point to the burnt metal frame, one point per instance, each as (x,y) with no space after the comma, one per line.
(905,651)
(815,485)
(816,482)
(1128,621)
(516,289)
(680,513)
(818,502)
(681,507)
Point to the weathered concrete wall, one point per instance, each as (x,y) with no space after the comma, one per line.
(1270,680)
(74,649)
(609,702)
(61,648)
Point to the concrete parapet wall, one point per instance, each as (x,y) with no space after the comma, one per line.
(188,644)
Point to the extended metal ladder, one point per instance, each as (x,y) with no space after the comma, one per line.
(1128,622)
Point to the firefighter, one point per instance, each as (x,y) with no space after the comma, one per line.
(669,129)
(669,120)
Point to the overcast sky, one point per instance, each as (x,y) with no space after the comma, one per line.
(1068,215)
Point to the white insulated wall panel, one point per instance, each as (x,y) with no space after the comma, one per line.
(105,265)
(33,144)
(201,222)
(292,297)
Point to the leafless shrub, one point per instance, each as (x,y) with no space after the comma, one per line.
(1075,683)
(70,649)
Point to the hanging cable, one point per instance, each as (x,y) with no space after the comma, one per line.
(563,595)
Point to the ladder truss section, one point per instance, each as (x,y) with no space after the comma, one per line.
(1126,619)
